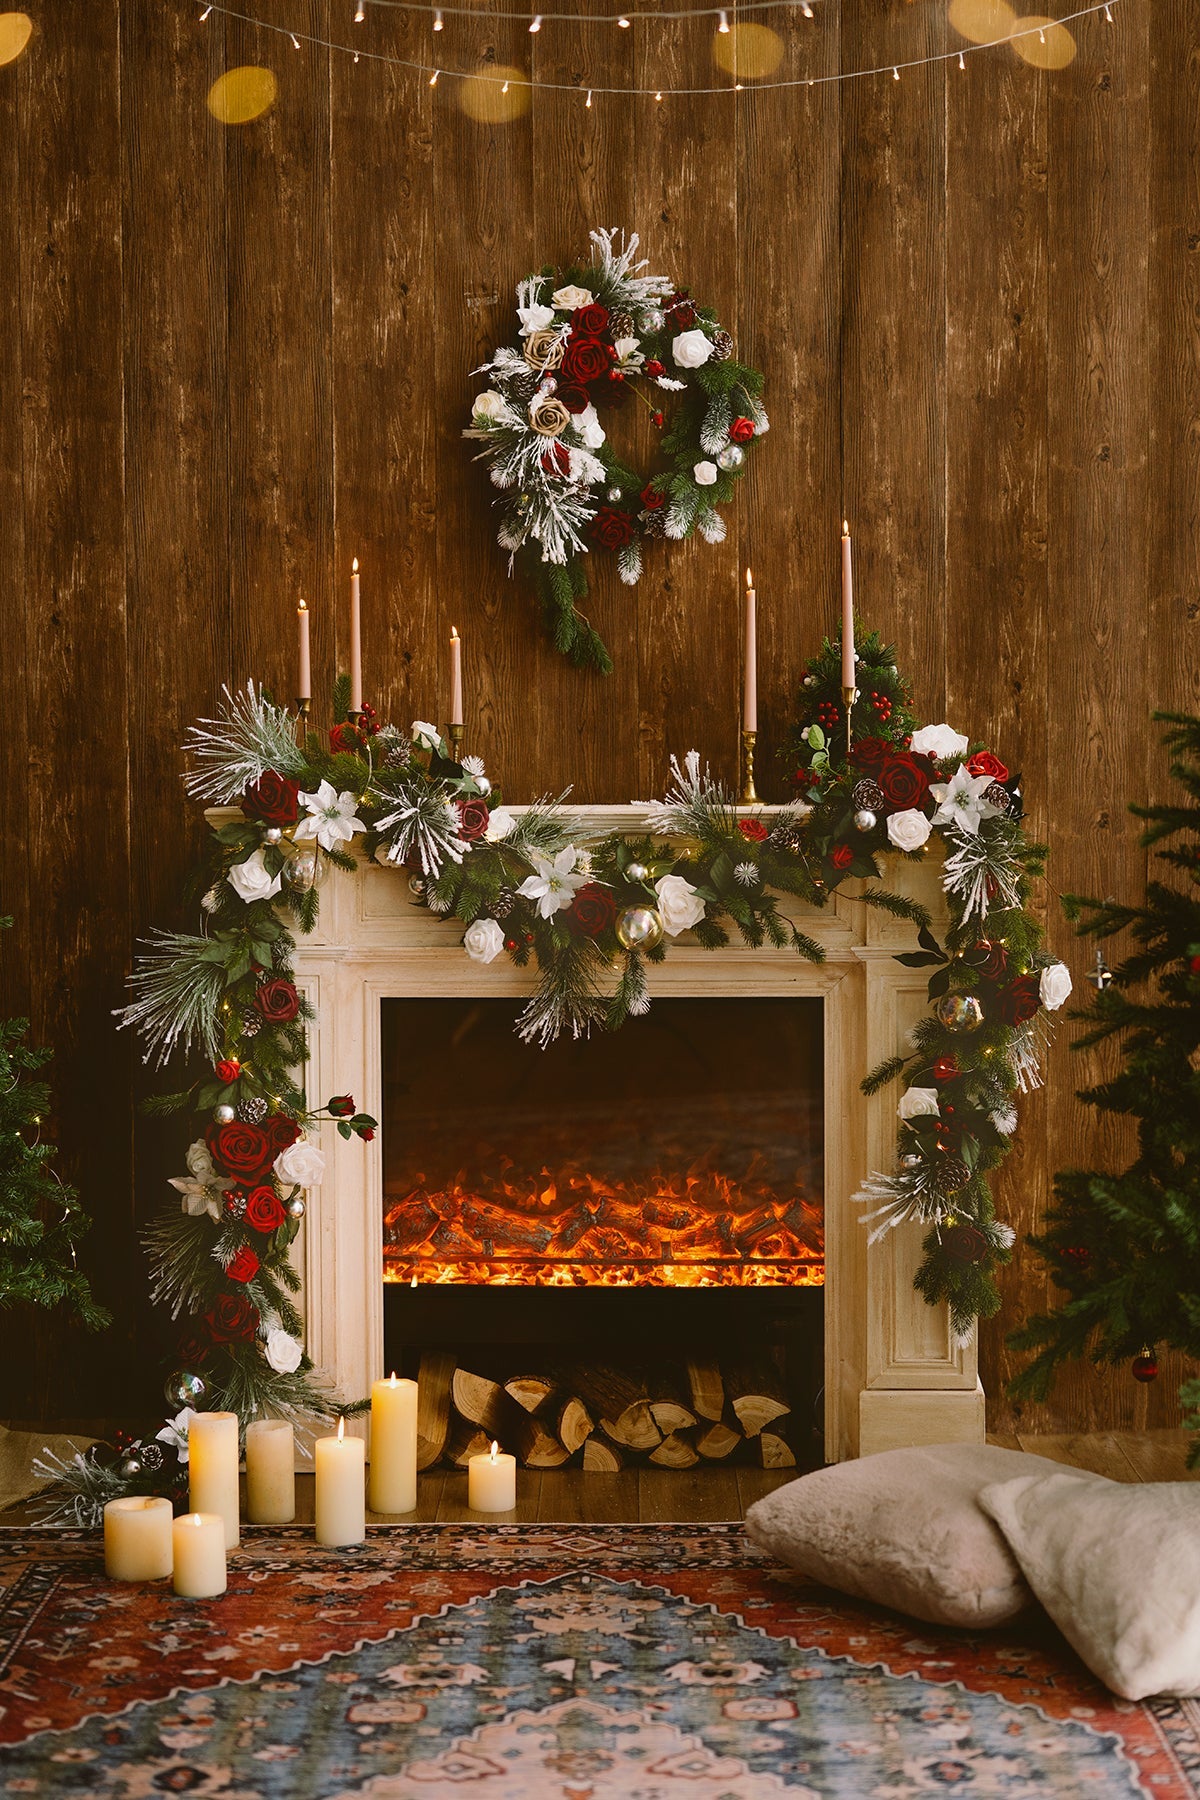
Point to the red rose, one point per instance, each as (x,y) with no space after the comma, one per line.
(1194,965)
(584,359)
(241,1151)
(244,1266)
(367,1133)
(964,1244)
(264,1211)
(589,321)
(741,431)
(346,738)
(869,752)
(272,800)
(946,1068)
(904,782)
(841,856)
(651,498)
(556,458)
(227,1070)
(575,399)
(611,529)
(472,819)
(1020,1000)
(754,830)
(654,367)
(192,1351)
(281,1132)
(342,1105)
(990,957)
(592,910)
(984,763)
(231,1318)
(681,310)
(277,1001)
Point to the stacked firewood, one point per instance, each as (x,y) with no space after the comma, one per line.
(602,1417)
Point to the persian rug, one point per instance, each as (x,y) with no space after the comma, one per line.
(513,1662)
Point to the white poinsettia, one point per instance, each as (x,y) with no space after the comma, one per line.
(919,1103)
(330,818)
(940,741)
(283,1351)
(175,1432)
(484,940)
(201,1187)
(961,801)
(569,299)
(691,349)
(501,822)
(252,880)
(1054,986)
(679,905)
(534,318)
(302,1164)
(554,882)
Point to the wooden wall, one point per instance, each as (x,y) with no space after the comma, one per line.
(230,359)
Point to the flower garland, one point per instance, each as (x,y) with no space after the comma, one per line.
(591,335)
(590,918)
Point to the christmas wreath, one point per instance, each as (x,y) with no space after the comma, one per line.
(591,337)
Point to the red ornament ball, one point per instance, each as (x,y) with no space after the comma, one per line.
(1144,1366)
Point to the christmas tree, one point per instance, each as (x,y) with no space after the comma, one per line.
(41,1220)
(1124,1248)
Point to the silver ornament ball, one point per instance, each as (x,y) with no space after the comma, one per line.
(654,320)
(185,1387)
(305,871)
(295,1207)
(864,819)
(637,871)
(416,887)
(959,1012)
(273,834)
(731,457)
(613,494)
(129,1467)
(810,681)
(639,928)
(225,1115)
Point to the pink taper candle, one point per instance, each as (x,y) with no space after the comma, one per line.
(304,677)
(848,678)
(456,705)
(750,659)
(355,641)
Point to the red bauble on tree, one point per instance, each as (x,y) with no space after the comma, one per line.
(1144,1366)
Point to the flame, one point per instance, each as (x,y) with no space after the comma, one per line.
(749,578)
(341,1430)
(495,1447)
(354,567)
(845,528)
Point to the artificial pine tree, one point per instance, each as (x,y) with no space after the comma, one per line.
(1125,1248)
(41,1220)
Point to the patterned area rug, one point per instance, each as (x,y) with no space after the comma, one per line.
(522,1662)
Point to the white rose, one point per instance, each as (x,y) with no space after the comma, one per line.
(426,734)
(908,830)
(691,349)
(679,904)
(301,1163)
(488,406)
(500,824)
(534,318)
(283,1352)
(591,431)
(484,941)
(918,1103)
(939,741)
(567,299)
(704,474)
(626,348)
(1054,986)
(250,880)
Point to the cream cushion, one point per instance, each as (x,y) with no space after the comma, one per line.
(1117,1567)
(904,1528)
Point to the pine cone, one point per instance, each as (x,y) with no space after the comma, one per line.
(621,325)
(505,901)
(151,1457)
(1000,796)
(949,1175)
(252,1111)
(654,524)
(722,345)
(788,838)
(251,1024)
(869,794)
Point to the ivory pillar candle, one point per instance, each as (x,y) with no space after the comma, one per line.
(393,1484)
(198,1542)
(848,677)
(456,701)
(270,1472)
(750,659)
(492,1482)
(355,641)
(137,1538)
(341,1511)
(213,1468)
(304,672)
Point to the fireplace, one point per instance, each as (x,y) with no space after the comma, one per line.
(666,1173)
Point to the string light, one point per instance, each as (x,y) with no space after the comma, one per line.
(504,89)
(1042,36)
(658,96)
(433,78)
(360,12)
(535,23)
(724,25)
(962,61)
(624,24)
(1108,18)
(295,40)
(205,14)
(439,24)
(806,9)
(589,98)
(895,77)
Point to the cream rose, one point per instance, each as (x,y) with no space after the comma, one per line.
(534,318)
(569,299)
(549,417)
(488,405)
(679,905)
(1054,986)
(301,1164)
(500,823)
(704,474)
(484,941)
(918,1103)
(908,830)
(939,741)
(691,349)
(544,349)
(282,1352)
(250,880)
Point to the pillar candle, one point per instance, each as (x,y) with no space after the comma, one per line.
(137,1538)
(492,1482)
(750,659)
(456,705)
(304,673)
(198,1541)
(270,1472)
(213,1468)
(393,1486)
(848,677)
(355,641)
(341,1489)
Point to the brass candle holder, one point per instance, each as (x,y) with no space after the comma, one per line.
(849,696)
(454,734)
(303,708)
(749,793)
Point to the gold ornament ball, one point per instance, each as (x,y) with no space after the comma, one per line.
(959,1012)
(639,928)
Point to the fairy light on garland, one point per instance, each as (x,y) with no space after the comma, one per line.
(480,76)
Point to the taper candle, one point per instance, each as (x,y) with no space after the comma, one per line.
(304,673)
(848,677)
(750,659)
(492,1482)
(198,1546)
(341,1510)
(355,640)
(393,1481)
(137,1538)
(213,1468)
(456,704)
(270,1472)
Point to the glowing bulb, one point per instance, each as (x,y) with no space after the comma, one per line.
(807,10)
(1108,14)
(360,12)
(962,61)
(658,96)
(724,25)
(895,74)
(295,40)
(205,14)
(535,23)
(438,22)
(1041,37)
(432,83)
(504,89)
(589,98)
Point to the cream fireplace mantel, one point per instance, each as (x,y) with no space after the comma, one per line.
(893,1374)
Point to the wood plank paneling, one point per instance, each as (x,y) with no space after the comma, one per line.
(15,973)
